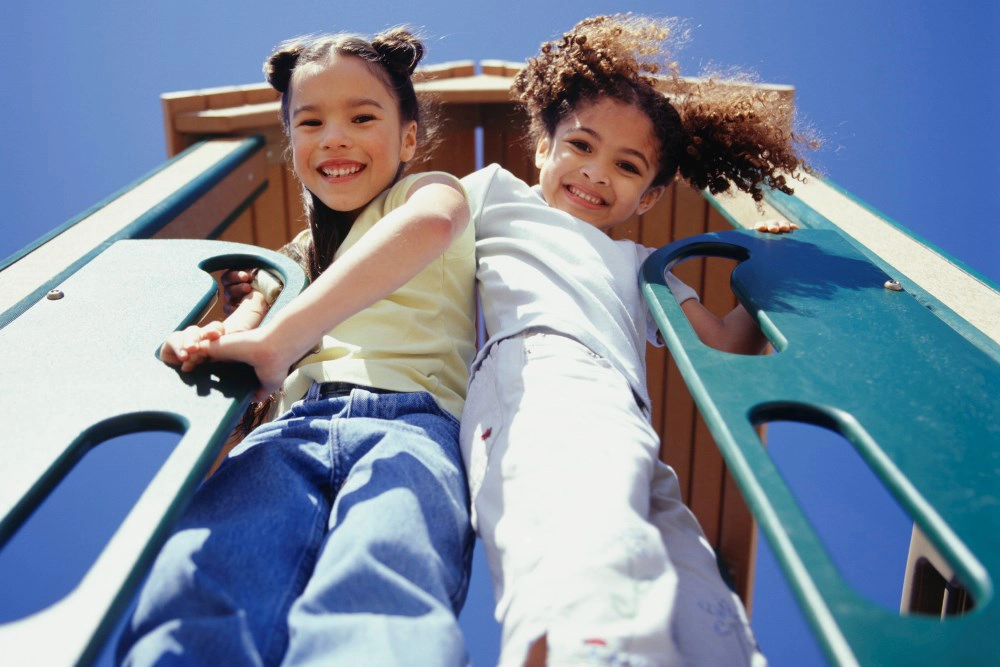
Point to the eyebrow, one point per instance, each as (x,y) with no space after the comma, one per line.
(352,103)
(631,151)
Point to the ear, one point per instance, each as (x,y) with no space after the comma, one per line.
(541,150)
(408,143)
(650,197)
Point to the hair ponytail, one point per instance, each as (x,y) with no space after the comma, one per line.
(399,50)
(279,65)
(739,136)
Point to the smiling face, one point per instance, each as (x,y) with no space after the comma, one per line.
(345,131)
(599,164)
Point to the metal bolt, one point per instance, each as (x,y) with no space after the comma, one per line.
(893,285)
(54,295)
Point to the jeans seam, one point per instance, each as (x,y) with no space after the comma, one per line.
(310,555)
(275,653)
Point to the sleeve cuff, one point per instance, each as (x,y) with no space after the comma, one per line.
(681,291)
(268,285)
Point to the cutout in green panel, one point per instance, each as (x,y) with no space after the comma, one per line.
(862,527)
(52,550)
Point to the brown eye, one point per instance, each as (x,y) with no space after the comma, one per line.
(629,167)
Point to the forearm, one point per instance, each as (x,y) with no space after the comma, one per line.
(248,314)
(737,332)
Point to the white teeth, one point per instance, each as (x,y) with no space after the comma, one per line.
(340,171)
(584,196)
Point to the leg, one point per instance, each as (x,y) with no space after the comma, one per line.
(393,572)
(221,586)
(563,506)
(710,624)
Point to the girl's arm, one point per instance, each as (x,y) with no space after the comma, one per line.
(388,256)
(737,332)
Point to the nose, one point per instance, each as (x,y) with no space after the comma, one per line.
(595,173)
(335,136)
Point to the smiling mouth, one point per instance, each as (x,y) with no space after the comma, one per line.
(589,198)
(339,172)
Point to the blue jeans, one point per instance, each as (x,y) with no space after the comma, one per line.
(337,534)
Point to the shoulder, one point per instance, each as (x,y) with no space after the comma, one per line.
(403,189)
(482,176)
(416,181)
(492,182)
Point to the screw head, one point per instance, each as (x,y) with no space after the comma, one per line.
(54,295)
(893,285)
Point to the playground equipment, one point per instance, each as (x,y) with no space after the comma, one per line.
(935,342)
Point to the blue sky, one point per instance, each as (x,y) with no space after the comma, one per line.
(904,95)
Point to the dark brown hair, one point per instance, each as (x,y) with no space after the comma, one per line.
(716,132)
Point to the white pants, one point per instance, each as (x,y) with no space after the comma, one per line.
(584,530)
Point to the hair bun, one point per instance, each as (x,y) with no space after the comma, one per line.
(279,65)
(399,50)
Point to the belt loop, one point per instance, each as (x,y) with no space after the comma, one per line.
(314,391)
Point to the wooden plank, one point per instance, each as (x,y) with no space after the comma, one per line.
(707,473)
(202,219)
(225,97)
(455,149)
(260,93)
(657,226)
(677,445)
(449,70)
(469,90)
(240,230)
(229,119)
(295,215)
(505,68)
(630,230)
(738,539)
(505,140)
(173,104)
(269,210)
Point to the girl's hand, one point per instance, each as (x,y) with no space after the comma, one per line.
(254,347)
(775,226)
(235,287)
(184,347)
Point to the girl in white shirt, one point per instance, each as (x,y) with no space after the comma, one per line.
(594,557)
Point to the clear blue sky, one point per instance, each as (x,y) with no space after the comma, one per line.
(905,96)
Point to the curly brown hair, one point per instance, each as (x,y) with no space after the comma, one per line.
(716,131)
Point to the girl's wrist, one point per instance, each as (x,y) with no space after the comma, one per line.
(287,341)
